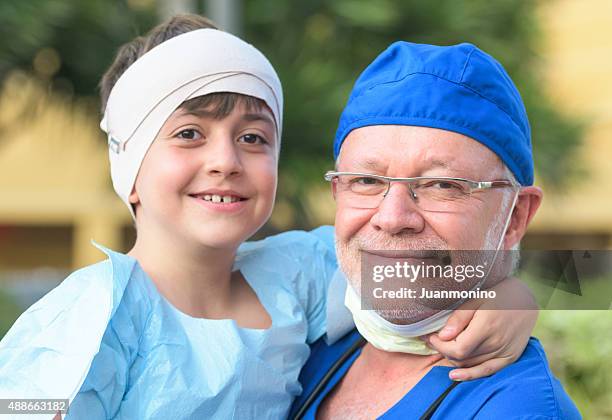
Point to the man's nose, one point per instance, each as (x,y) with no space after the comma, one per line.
(398,212)
(223,158)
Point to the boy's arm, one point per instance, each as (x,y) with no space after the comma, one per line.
(319,276)
(105,386)
(483,336)
(317,268)
(61,340)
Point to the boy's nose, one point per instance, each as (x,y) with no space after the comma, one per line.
(223,159)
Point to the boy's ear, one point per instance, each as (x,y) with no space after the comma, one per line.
(133,198)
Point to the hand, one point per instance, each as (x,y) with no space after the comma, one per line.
(483,336)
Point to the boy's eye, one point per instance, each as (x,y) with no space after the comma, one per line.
(189,134)
(252,139)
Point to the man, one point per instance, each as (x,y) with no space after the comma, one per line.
(451,121)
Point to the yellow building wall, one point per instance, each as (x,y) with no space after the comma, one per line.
(576,49)
(53,174)
(55,192)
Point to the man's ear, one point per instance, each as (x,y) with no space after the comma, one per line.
(334,187)
(527,203)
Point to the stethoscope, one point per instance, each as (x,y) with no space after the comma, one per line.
(338,364)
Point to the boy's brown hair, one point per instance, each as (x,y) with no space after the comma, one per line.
(222,104)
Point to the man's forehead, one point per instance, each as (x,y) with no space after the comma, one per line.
(376,148)
(373,163)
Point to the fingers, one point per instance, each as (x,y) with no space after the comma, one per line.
(480,357)
(486,368)
(456,323)
(465,345)
(426,338)
(452,350)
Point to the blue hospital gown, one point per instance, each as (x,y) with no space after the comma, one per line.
(107,333)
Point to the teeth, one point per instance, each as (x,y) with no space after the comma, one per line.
(215,198)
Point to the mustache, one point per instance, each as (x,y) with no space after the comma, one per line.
(381,241)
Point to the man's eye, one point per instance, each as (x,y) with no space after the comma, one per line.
(252,139)
(445,185)
(366,181)
(189,134)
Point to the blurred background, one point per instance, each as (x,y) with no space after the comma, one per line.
(55,191)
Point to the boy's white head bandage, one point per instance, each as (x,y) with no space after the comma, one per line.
(193,64)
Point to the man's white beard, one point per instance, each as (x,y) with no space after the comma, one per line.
(349,259)
(349,253)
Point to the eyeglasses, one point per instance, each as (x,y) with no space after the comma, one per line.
(367,191)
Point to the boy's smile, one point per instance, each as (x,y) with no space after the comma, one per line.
(221,200)
(208,180)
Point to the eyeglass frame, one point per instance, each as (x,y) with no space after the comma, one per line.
(474,185)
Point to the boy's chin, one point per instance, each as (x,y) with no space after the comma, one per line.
(229,238)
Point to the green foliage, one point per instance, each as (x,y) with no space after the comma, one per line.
(578,345)
(9,312)
(85,34)
(320,47)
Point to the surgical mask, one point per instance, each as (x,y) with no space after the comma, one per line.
(390,337)
(385,335)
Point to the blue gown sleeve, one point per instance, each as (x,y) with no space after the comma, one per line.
(305,263)
(318,265)
(320,275)
(106,383)
(55,345)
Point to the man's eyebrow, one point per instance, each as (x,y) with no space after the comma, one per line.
(435,163)
(371,165)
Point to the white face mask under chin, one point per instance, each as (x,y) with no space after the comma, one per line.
(390,337)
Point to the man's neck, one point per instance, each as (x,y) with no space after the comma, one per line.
(407,362)
(389,375)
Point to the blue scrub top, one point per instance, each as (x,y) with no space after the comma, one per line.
(526,389)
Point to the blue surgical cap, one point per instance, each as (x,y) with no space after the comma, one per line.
(458,88)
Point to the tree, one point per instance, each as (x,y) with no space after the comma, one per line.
(82,36)
(318,48)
